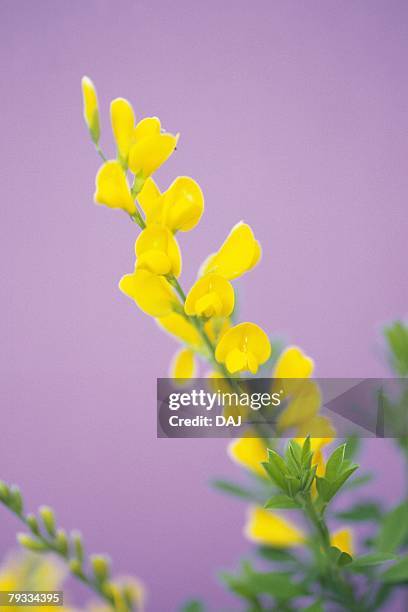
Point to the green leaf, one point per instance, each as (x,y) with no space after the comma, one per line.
(275,473)
(353,444)
(397,338)
(281,502)
(365,511)
(335,463)
(393,530)
(279,555)
(278,584)
(194,605)
(397,572)
(358,481)
(371,559)
(317,606)
(233,489)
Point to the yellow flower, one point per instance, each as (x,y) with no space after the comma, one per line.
(343,540)
(293,363)
(249,451)
(243,347)
(134,590)
(91,112)
(319,428)
(216,327)
(26,571)
(157,250)
(183,364)
(238,254)
(177,325)
(152,293)
(302,407)
(179,208)
(151,147)
(210,296)
(112,188)
(265,527)
(123,126)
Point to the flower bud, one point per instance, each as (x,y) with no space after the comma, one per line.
(91,111)
(16,501)
(100,565)
(48,518)
(30,543)
(32,522)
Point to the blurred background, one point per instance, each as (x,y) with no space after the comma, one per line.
(293,118)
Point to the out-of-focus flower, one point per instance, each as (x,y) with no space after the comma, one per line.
(134,592)
(157,250)
(112,188)
(151,147)
(210,296)
(238,254)
(183,365)
(179,208)
(153,294)
(302,407)
(243,347)
(266,527)
(249,452)
(178,326)
(293,363)
(30,572)
(343,540)
(91,111)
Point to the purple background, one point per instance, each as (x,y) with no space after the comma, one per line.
(293,117)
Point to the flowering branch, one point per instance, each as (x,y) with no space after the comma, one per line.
(45,537)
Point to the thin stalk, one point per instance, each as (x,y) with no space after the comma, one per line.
(52,547)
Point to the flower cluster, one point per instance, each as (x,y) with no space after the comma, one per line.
(200,319)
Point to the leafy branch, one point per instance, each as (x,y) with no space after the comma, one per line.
(46,537)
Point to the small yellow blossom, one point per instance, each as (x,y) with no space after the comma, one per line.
(177,325)
(266,527)
(293,363)
(210,296)
(153,294)
(302,407)
(319,428)
(123,126)
(157,250)
(112,188)
(134,590)
(343,540)
(91,112)
(249,451)
(183,364)
(238,254)
(151,147)
(179,208)
(243,347)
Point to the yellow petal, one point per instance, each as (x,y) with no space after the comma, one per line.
(151,202)
(178,326)
(343,540)
(265,527)
(320,429)
(153,294)
(157,250)
(303,407)
(183,365)
(293,363)
(112,188)
(91,112)
(238,254)
(149,153)
(211,295)
(149,126)
(183,204)
(123,125)
(249,452)
(247,339)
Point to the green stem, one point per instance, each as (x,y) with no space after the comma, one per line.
(52,547)
(100,153)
